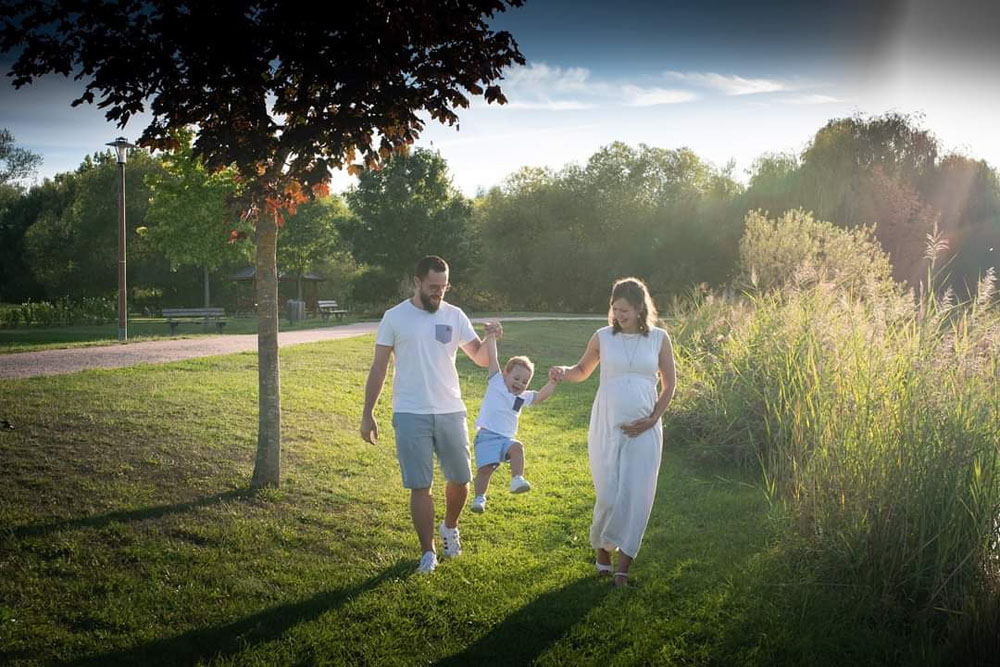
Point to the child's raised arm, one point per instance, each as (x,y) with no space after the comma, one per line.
(491,347)
(544,392)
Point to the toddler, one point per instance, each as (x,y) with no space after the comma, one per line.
(506,395)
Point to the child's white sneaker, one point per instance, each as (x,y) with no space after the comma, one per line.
(519,484)
(452,546)
(428,562)
(479,504)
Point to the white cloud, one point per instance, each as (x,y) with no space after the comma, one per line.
(550,105)
(637,96)
(541,87)
(540,77)
(731,84)
(810,99)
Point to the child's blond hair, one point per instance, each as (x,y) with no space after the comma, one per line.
(519,361)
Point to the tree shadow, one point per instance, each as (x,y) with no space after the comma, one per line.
(124,516)
(527,633)
(221,641)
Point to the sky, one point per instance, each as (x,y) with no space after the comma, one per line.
(729,79)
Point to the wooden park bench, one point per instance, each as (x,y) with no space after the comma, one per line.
(177,315)
(328,308)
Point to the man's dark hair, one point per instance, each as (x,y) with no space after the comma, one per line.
(428,264)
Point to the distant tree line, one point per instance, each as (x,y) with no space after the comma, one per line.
(540,240)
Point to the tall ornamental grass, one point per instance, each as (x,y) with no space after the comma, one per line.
(874,415)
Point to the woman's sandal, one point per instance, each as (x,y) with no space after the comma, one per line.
(603,569)
(623,575)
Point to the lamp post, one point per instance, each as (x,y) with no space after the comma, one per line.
(121,145)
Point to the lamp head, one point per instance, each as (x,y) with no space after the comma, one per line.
(121,145)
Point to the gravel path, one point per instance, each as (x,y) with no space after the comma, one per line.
(71,360)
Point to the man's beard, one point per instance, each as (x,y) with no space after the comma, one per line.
(430,305)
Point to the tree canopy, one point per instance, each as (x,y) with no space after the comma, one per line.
(656,213)
(403,211)
(310,236)
(72,245)
(280,92)
(283,94)
(192,218)
(15,162)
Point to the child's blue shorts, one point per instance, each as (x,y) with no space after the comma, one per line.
(491,448)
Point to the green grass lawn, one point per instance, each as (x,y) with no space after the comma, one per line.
(128,536)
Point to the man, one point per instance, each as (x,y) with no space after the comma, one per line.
(424,332)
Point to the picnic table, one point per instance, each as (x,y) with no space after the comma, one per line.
(329,307)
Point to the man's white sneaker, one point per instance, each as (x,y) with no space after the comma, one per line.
(519,484)
(449,536)
(479,504)
(428,562)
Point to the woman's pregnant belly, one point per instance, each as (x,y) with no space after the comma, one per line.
(629,398)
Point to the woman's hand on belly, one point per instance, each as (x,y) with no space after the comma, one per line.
(634,428)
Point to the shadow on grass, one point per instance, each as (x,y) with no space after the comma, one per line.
(789,616)
(524,635)
(124,516)
(205,644)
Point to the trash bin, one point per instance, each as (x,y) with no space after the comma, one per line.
(296,310)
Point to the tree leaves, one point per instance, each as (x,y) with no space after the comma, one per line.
(15,163)
(192,216)
(282,94)
(406,210)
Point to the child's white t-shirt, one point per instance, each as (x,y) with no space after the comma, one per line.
(424,345)
(501,409)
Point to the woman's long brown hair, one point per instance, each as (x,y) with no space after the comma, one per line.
(636,293)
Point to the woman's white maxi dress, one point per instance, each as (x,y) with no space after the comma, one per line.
(624,469)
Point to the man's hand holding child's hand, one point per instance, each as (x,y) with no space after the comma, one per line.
(494,329)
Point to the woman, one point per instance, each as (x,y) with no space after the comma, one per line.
(625,437)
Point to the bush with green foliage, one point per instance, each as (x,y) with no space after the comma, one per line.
(795,248)
(62,311)
(376,289)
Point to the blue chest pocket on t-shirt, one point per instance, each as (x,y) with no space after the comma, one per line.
(518,402)
(442,333)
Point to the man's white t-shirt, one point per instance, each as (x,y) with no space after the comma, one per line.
(501,409)
(424,345)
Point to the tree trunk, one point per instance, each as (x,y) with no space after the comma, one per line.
(208,299)
(299,281)
(267,469)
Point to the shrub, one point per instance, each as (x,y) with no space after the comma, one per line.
(797,250)
(146,299)
(96,310)
(481,300)
(27,313)
(44,313)
(375,289)
(89,310)
(10,316)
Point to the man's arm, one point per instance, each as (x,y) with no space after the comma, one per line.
(477,351)
(373,389)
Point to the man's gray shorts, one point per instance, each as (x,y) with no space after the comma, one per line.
(418,437)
